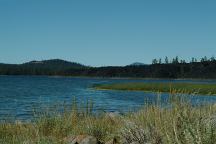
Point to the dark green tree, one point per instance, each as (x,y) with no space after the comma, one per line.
(166,60)
(160,61)
(154,61)
(212,58)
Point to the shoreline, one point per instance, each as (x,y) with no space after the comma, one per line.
(155,87)
(156,92)
(129,78)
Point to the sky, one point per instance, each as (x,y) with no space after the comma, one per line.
(106,32)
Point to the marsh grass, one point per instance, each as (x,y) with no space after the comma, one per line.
(180,123)
(188,88)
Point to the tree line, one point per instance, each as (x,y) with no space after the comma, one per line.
(177,60)
(205,68)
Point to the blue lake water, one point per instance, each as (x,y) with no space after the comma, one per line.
(20,96)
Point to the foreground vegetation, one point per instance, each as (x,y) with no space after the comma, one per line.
(180,123)
(188,88)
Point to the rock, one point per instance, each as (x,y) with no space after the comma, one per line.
(113,115)
(109,142)
(89,140)
(113,141)
(134,143)
(81,139)
(69,139)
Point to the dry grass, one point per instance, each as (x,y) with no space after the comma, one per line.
(180,123)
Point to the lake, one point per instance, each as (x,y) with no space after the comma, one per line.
(21,96)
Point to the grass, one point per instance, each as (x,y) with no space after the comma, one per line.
(53,127)
(181,123)
(188,88)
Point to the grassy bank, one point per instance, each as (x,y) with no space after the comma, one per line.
(190,88)
(180,124)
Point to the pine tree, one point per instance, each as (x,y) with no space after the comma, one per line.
(166,60)
(154,61)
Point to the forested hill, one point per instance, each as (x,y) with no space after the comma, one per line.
(53,64)
(46,67)
(203,69)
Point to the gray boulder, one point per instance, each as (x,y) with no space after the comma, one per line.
(81,139)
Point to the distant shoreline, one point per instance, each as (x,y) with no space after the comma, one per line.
(133,78)
(56,67)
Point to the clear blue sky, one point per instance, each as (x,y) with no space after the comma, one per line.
(106,32)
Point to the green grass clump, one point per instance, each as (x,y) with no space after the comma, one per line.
(188,88)
(180,123)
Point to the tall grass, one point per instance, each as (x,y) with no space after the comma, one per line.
(180,123)
(53,127)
